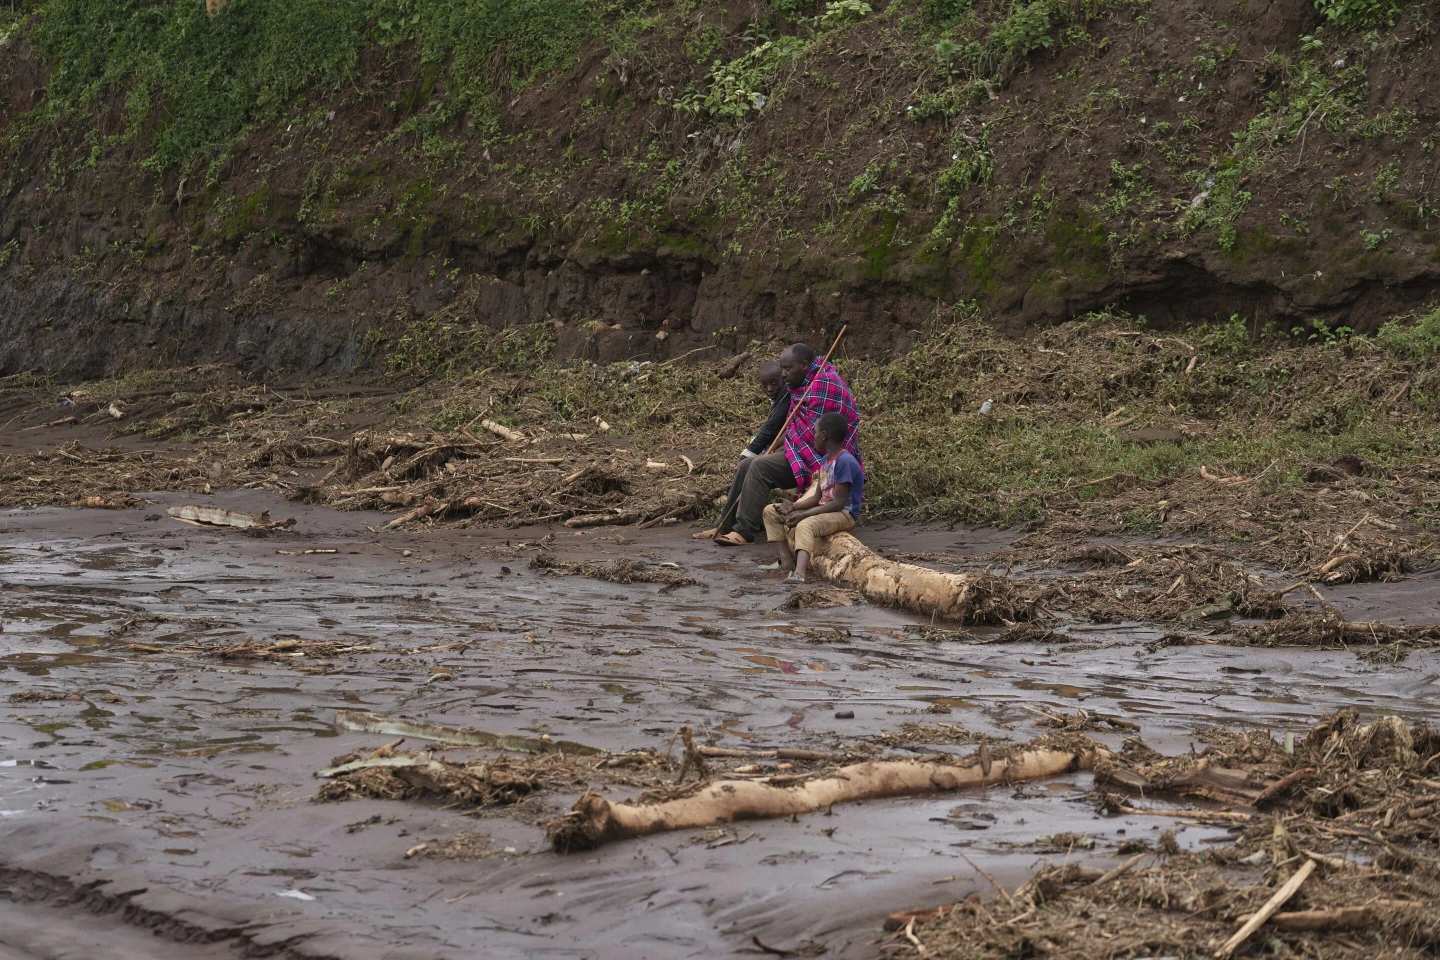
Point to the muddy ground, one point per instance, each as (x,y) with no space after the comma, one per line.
(172,790)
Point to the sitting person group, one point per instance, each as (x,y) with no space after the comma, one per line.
(814,419)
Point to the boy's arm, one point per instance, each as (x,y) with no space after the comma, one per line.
(770,429)
(836,504)
(806,502)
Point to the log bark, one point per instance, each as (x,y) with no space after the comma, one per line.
(595,820)
(622,518)
(221,517)
(502,431)
(953,596)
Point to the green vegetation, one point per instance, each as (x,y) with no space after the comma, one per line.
(202,80)
(1357,14)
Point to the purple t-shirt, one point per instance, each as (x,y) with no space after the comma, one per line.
(843,468)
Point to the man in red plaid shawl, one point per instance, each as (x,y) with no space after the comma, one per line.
(797,461)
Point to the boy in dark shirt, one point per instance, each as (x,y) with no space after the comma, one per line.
(774,388)
(831,505)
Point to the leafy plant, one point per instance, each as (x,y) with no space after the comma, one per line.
(1321,332)
(839,13)
(1412,341)
(971,165)
(733,89)
(944,11)
(865,182)
(1371,240)
(1356,14)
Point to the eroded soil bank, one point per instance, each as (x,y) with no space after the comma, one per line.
(170,787)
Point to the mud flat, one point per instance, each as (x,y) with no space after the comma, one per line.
(149,780)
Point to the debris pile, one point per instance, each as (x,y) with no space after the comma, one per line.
(1336,842)
(621,570)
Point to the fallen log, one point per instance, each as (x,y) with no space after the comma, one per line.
(954,596)
(419,513)
(362,722)
(618,518)
(514,436)
(732,366)
(594,820)
(220,517)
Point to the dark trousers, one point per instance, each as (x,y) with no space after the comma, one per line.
(733,496)
(754,479)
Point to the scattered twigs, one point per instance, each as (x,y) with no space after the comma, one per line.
(1272,906)
(455,736)
(779,753)
(986,874)
(694,759)
(1117,872)
(685,356)
(1281,785)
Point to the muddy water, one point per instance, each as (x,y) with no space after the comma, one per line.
(190,777)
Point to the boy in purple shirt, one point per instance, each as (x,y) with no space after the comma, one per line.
(831,506)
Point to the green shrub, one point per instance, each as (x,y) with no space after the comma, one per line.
(1413,341)
(944,11)
(1356,14)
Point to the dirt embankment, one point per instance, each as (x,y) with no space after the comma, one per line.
(1181,161)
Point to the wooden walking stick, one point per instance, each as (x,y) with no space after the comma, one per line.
(731,507)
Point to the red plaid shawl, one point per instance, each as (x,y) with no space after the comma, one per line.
(829,395)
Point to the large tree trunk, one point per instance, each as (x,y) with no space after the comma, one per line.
(932,593)
(594,820)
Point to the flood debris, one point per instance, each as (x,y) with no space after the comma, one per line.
(619,570)
(400,776)
(201,515)
(362,722)
(1081,719)
(456,476)
(1339,835)
(1330,629)
(821,598)
(282,650)
(594,820)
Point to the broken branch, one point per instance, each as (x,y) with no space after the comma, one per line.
(595,820)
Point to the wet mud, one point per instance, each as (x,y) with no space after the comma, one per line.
(149,785)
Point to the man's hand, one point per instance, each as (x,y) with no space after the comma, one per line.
(785,507)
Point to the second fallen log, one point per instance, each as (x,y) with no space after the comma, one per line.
(594,820)
(967,598)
